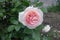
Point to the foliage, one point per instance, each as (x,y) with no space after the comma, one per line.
(10,27)
(54,8)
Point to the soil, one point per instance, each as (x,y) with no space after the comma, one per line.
(52,19)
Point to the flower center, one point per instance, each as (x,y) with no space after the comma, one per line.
(32,18)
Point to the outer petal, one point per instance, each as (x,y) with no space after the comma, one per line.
(34,8)
(21,18)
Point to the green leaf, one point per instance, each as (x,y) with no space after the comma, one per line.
(1,15)
(27,31)
(13,21)
(44,10)
(10,28)
(36,35)
(17,27)
(39,27)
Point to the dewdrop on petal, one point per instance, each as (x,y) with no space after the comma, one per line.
(31,17)
(46,28)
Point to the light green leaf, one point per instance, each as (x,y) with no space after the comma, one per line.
(10,28)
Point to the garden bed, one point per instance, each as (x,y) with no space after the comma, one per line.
(53,19)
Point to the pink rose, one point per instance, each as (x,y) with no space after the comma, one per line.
(31,17)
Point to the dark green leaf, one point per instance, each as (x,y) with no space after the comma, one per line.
(25,3)
(36,35)
(13,21)
(39,27)
(28,31)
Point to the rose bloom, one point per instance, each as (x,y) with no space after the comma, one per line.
(31,17)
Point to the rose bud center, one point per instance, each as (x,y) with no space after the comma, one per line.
(32,18)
